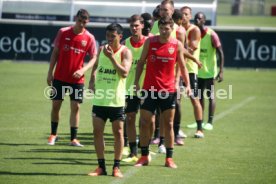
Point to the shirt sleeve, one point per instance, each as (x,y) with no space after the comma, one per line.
(93,48)
(215,40)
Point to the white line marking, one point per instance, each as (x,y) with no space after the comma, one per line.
(221,115)
(236,107)
(134,170)
(131,172)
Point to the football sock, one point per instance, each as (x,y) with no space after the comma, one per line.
(169,152)
(145,151)
(161,141)
(116,163)
(210,120)
(176,127)
(199,124)
(74,131)
(101,163)
(133,148)
(54,126)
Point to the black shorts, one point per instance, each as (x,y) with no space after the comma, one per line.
(111,113)
(193,84)
(153,100)
(132,104)
(208,85)
(61,88)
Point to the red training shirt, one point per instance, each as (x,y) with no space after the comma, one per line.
(72,50)
(161,60)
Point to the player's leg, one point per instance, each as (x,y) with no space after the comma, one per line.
(133,104)
(212,103)
(57,97)
(76,97)
(156,133)
(148,107)
(176,123)
(125,149)
(201,88)
(161,145)
(98,121)
(117,118)
(196,105)
(167,106)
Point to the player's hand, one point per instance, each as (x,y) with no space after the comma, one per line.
(108,51)
(91,87)
(219,77)
(199,64)
(50,79)
(136,88)
(78,74)
(188,90)
(176,86)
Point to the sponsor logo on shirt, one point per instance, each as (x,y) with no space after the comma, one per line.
(83,43)
(107,71)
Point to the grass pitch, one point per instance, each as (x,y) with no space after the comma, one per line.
(240,149)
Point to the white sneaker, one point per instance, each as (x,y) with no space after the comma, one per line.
(149,157)
(181,134)
(52,140)
(76,143)
(199,134)
(207,126)
(126,151)
(162,149)
(193,125)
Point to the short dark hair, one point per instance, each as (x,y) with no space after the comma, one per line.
(146,16)
(166,21)
(136,17)
(115,27)
(168,2)
(198,13)
(156,12)
(177,14)
(83,14)
(186,7)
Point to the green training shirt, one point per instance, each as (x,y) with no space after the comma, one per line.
(136,54)
(109,86)
(208,57)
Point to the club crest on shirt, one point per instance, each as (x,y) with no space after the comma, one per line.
(171,50)
(152,58)
(66,48)
(83,43)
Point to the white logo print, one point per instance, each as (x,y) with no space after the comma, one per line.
(171,50)
(83,43)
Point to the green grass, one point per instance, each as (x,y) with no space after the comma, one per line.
(241,148)
(252,21)
(249,17)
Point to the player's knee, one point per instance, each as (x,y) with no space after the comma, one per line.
(131,116)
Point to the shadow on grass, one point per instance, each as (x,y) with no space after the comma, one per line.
(39,174)
(86,137)
(55,159)
(65,151)
(19,144)
(63,161)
